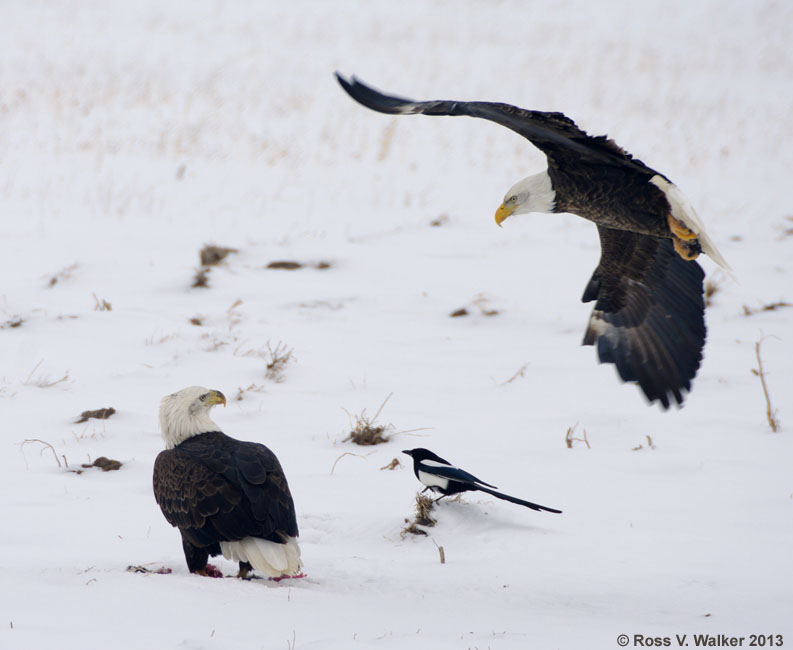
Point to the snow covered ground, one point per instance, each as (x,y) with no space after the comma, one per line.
(130,136)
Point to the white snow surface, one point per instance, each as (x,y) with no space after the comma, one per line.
(131,134)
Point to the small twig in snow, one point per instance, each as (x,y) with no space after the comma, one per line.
(770,412)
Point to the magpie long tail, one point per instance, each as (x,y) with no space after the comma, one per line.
(520,502)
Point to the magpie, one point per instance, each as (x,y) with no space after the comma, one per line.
(440,475)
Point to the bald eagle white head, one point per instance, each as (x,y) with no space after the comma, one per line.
(532,194)
(186,413)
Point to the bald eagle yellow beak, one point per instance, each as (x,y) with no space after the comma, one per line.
(503,212)
(216,397)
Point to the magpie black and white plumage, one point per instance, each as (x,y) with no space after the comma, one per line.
(224,495)
(439,475)
(648,317)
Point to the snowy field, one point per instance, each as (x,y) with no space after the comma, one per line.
(132,136)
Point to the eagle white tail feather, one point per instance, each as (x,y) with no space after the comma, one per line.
(683,211)
(270,558)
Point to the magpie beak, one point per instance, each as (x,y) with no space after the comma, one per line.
(439,475)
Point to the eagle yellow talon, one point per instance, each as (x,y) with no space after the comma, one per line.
(679,229)
(686,250)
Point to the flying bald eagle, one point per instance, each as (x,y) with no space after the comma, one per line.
(225,496)
(648,317)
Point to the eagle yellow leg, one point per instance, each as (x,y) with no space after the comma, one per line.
(685,250)
(245,568)
(679,229)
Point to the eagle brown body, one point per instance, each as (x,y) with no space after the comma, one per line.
(224,495)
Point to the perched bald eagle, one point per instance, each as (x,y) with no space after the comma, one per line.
(648,317)
(224,495)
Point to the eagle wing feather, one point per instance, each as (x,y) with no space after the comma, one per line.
(648,317)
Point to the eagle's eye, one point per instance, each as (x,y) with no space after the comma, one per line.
(513,199)
(203,397)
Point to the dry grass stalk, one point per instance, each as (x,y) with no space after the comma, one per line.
(569,439)
(365,432)
(770,412)
(101,305)
(46,446)
(346,453)
(520,373)
(650,444)
(253,388)
(63,274)
(712,286)
(392,465)
(441,552)
(773,306)
(481,301)
(386,140)
(43,381)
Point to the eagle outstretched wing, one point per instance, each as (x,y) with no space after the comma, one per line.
(553,133)
(648,317)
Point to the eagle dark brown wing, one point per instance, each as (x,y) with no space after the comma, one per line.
(215,488)
(553,133)
(648,317)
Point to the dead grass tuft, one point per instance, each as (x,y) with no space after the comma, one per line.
(481,302)
(650,444)
(277,359)
(440,220)
(201,278)
(253,388)
(773,306)
(424,506)
(412,529)
(42,381)
(212,255)
(569,439)
(392,465)
(63,274)
(712,286)
(197,321)
(139,568)
(12,323)
(99,414)
(101,305)
(365,432)
(520,373)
